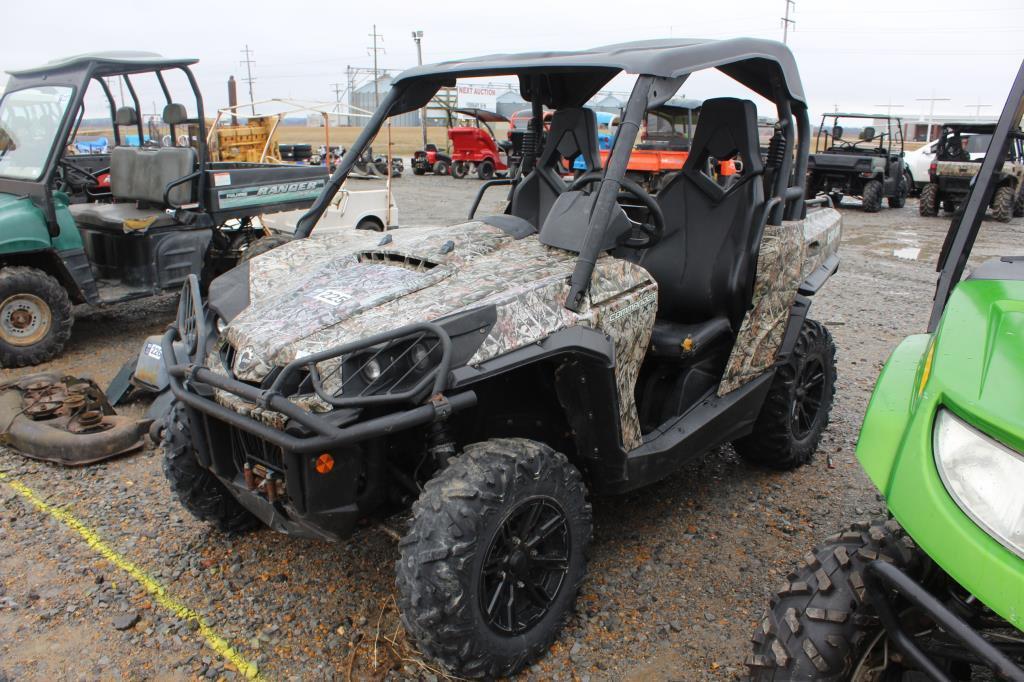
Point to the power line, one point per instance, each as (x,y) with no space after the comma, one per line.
(248,61)
(786,21)
(977,108)
(889,107)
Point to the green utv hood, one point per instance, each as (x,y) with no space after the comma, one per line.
(972,365)
(314,294)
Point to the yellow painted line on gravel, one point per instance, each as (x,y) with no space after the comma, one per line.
(148,583)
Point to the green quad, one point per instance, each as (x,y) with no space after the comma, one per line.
(110,227)
(937,590)
(954,168)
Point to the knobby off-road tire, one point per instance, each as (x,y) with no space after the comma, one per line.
(485,170)
(872,196)
(498,494)
(928,204)
(196,488)
(796,411)
(35,316)
(1002,204)
(902,190)
(441,167)
(262,245)
(820,623)
(1018,205)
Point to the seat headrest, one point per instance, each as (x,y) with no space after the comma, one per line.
(126,116)
(726,129)
(867,134)
(175,114)
(573,133)
(837,132)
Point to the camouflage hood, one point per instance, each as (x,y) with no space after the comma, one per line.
(310,295)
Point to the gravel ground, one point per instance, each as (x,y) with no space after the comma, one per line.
(678,576)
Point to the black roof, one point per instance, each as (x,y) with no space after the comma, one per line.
(971,126)
(847,114)
(576,75)
(108,64)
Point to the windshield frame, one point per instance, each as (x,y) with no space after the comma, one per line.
(59,131)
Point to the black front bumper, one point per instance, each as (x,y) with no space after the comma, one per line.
(882,580)
(313,503)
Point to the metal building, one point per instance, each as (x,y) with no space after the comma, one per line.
(364,98)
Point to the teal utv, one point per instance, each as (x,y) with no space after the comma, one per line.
(134,221)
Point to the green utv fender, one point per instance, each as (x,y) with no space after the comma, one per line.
(890,409)
(976,371)
(23,226)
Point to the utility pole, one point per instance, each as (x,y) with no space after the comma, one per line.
(375,51)
(337,103)
(977,108)
(931,109)
(248,61)
(786,21)
(350,76)
(889,107)
(418,37)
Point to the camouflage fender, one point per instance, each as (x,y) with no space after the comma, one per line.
(786,258)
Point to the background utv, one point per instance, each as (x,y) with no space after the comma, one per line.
(490,374)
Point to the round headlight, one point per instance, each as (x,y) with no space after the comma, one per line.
(420,357)
(371,370)
(984,477)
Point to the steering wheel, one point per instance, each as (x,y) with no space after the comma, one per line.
(92,179)
(651,232)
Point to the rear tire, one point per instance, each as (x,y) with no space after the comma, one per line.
(262,245)
(1003,202)
(196,488)
(485,170)
(371,224)
(821,624)
(440,167)
(1018,205)
(35,316)
(902,190)
(928,204)
(796,410)
(872,196)
(480,531)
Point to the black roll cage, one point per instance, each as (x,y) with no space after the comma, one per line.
(889,137)
(78,74)
(963,230)
(648,93)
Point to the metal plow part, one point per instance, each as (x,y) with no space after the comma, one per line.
(66,420)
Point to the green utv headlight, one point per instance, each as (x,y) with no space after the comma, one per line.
(984,477)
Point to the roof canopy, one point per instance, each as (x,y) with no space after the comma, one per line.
(846,114)
(571,78)
(108,64)
(482,115)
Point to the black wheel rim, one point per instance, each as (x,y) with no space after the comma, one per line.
(525,566)
(807,396)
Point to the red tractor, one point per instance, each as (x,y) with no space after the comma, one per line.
(431,160)
(475,148)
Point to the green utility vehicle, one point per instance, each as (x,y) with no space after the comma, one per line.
(109,227)
(936,591)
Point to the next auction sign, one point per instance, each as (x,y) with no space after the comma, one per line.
(478,97)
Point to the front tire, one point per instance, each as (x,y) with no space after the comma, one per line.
(262,245)
(1003,204)
(485,170)
(35,316)
(871,196)
(821,624)
(196,488)
(460,170)
(928,204)
(796,411)
(494,557)
(441,167)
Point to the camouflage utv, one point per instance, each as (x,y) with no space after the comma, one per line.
(493,374)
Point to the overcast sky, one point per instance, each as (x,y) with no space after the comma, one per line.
(856,56)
